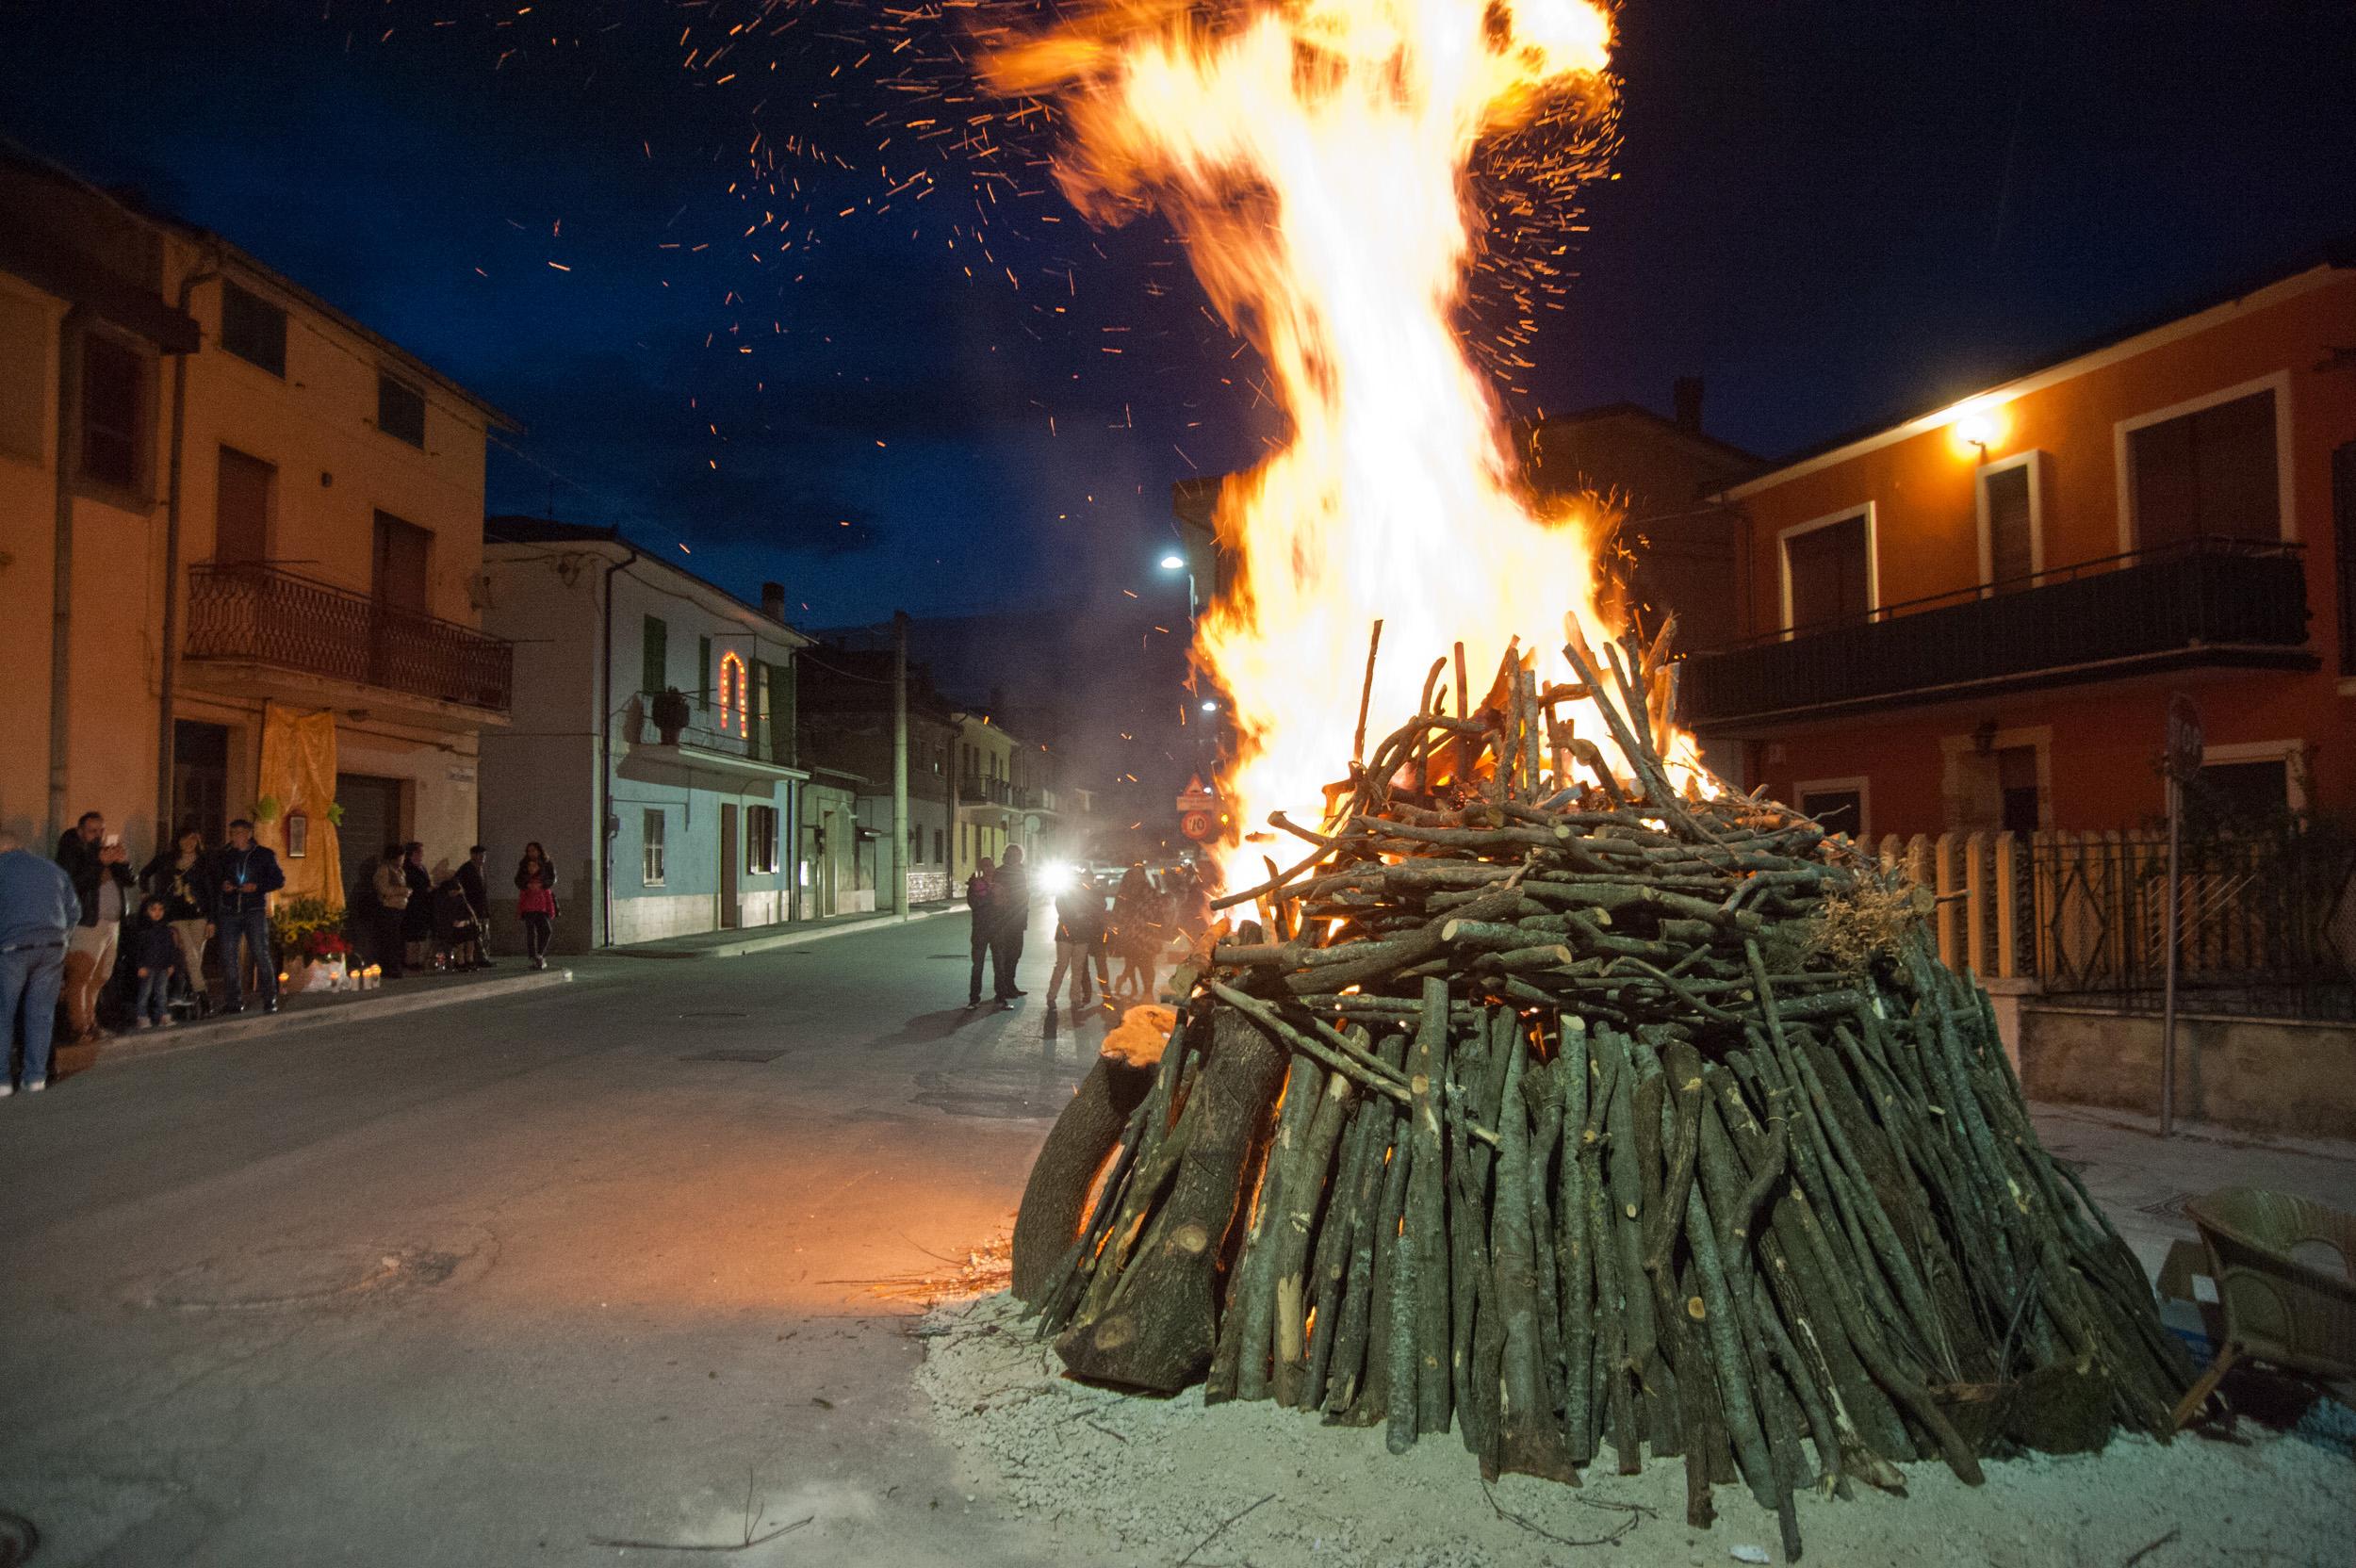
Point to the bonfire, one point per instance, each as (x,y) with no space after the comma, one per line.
(1558,1096)
(1584,1117)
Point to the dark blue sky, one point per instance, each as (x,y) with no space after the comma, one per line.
(1834,212)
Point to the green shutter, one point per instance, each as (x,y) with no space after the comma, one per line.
(703,671)
(777,684)
(654,658)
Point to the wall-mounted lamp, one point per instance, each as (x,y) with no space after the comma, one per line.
(1174,562)
(1979,427)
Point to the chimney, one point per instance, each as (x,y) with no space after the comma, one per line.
(773,600)
(1687,395)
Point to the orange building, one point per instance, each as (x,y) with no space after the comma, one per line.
(1975,620)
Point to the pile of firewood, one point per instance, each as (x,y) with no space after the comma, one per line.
(1569,1108)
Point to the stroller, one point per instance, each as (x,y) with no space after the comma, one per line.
(457,937)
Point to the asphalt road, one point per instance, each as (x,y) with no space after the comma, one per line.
(501,1282)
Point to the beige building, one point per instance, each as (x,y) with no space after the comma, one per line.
(982,764)
(241,544)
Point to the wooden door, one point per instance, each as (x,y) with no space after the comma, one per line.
(730,916)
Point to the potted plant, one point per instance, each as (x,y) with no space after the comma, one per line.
(670,715)
(300,931)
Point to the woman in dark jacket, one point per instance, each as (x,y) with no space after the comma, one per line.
(176,875)
(416,920)
(535,901)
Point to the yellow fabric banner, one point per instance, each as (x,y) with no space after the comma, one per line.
(298,776)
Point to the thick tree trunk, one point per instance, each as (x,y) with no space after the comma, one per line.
(1084,1136)
(1157,1332)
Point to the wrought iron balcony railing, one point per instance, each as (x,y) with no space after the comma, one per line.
(975,790)
(2205,602)
(268,616)
(732,735)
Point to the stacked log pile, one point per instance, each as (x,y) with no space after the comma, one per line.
(1588,1114)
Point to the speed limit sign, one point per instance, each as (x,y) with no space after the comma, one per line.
(1197,826)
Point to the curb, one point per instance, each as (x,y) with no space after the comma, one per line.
(137,1047)
(788,937)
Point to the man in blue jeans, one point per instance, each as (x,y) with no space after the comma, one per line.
(242,877)
(38,910)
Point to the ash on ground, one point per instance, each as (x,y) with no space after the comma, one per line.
(1121,1478)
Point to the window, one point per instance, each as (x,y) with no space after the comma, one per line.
(400,577)
(399,410)
(114,380)
(2246,784)
(936,855)
(253,329)
(651,847)
(654,657)
(2245,792)
(1838,804)
(1828,572)
(243,489)
(2012,547)
(760,839)
(2210,473)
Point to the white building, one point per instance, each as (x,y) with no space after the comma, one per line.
(652,834)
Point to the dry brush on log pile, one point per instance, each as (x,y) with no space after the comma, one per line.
(1549,1116)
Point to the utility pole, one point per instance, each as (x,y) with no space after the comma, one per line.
(900,763)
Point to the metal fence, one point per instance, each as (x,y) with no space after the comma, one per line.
(2268,921)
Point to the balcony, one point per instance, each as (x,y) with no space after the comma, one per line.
(1031,797)
(2206,603)
(738,748)
(257,629)
(973,790)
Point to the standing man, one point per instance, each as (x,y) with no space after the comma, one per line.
(93,859)
(39,915)
(978,898)
(478,899)
(1010,914)
(244,875)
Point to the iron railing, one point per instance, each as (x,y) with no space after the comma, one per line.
(2203,601)
(2267,923)
(976,790)
(268,616)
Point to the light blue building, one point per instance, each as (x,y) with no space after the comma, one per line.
(655,832)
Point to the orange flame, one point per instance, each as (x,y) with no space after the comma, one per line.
(1314,157)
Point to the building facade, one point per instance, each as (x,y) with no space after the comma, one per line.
(846,711)
(1976,619)
(660,823)
(987,817)
(240,542)
(1678,550)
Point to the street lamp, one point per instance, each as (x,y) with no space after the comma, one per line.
(1209,707)
(1174,562)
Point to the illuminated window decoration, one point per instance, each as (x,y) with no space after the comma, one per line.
(734,695)
(298,834)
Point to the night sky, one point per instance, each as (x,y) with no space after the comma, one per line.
(1836,213)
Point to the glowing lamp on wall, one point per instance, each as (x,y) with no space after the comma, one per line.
(1979,427)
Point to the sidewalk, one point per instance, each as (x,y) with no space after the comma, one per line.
(312,1010)
(2142,1180)
(765,938)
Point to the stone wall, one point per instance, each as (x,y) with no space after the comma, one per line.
(2265,1075)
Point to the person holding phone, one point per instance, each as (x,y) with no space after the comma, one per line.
(243,875)
(93,859)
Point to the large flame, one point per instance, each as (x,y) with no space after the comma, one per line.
(1314,157)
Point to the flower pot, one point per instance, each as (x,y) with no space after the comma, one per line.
(671,714)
